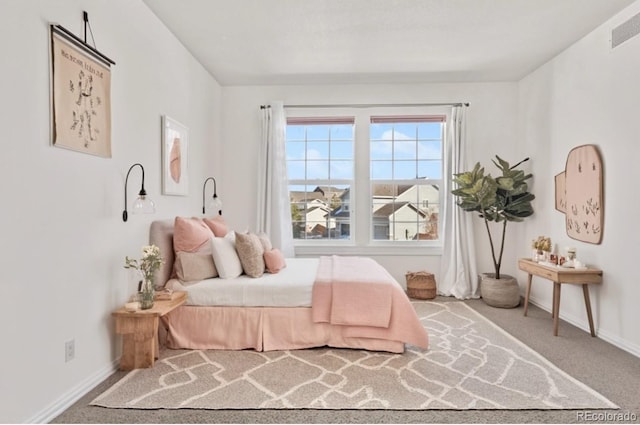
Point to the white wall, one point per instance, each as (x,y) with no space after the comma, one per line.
(589,94)
(63,238)
(491,124)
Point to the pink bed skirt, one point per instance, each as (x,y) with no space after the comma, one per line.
(261,329)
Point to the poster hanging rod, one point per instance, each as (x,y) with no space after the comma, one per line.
(70,37)
(371,105)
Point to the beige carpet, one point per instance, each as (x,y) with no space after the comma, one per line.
(471,364)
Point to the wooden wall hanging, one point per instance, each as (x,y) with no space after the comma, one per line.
(579,194)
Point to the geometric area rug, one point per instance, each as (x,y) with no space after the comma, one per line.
(471,364)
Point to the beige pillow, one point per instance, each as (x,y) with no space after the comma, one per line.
(266,242)
(250,251)
(194,266)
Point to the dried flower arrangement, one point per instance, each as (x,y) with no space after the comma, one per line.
(543,243)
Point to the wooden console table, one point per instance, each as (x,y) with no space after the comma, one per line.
(139,331)
(560,275)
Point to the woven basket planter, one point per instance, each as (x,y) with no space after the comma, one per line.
(501,293)
(421,285)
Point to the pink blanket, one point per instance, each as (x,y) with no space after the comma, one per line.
(358,293)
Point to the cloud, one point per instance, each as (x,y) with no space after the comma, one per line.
(426,150)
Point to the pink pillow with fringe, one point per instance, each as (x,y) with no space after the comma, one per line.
(217,225)
(274,260)
(191,235)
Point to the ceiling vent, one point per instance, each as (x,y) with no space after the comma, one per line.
(623,32)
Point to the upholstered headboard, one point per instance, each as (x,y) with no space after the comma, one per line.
(161,235)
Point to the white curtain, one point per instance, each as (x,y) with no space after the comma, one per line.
(458,274)
(274,210)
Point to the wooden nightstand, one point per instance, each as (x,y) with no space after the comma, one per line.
(139,332)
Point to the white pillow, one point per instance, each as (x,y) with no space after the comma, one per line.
(225,257)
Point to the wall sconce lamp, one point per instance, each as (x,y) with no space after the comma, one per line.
(215,203)
(142,204)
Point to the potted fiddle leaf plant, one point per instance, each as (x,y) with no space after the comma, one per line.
(501,199)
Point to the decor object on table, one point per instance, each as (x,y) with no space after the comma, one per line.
(132,306)
(215,203)
(175,143)
(80,93)
(142,204)
(421,285)
(542,248)
(571,256)
(579,265)
(149,263)
(497,199)
(579,194)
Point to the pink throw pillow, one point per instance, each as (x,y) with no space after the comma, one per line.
(190,234)
(217,225)
(274,260)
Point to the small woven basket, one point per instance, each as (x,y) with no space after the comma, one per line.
(421,285)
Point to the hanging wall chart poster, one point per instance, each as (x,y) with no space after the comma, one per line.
(80,99)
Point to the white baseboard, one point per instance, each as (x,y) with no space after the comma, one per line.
(76,393)
(582,323)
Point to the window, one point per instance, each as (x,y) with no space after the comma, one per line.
(406,176)
(320,168)
(366,179)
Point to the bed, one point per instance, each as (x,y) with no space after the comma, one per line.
(295,308)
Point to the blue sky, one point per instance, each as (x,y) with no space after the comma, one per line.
(416,149)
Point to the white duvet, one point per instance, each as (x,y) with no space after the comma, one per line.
(290,287)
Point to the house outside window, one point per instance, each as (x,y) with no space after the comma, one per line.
(406,162)
(320,169)
(365,179)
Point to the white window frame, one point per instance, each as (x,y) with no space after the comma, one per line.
(398,119)
(362,242)
(321,119)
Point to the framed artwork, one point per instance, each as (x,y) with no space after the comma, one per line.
(175,144)
(80,96)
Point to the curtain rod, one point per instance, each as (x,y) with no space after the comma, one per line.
(370,105)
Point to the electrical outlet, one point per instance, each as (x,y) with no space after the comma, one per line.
(69,350)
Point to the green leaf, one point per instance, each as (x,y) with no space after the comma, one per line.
(505,183)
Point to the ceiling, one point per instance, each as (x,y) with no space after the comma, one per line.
(263,42)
